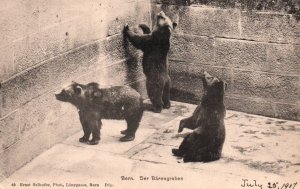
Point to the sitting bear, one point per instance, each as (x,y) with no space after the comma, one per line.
(94,104)
(155,47)
(205,143)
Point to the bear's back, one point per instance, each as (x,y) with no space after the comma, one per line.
(119,94)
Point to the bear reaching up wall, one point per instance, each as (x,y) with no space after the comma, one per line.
(205,143)
(155,47)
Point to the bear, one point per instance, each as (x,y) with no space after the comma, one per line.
(206,141)
(95,104)
(155,47)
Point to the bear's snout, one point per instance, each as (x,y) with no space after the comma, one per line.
(161,13)
(62,96)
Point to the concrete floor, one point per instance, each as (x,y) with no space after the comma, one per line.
(256,148)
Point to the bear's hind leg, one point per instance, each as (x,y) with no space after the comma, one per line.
(155,92)
(210,156)
(166,94)
(213,152)
(190,155)
(183,148)
(133,123)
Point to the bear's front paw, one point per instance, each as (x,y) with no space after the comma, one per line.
(93,142)
(83,140)
(177,152)
(180,128)
(127,138)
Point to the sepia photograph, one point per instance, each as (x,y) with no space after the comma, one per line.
(144,94)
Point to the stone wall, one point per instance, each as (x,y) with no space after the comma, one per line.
(45,45)
(257,53)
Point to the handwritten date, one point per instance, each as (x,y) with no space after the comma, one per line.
(276,185)
(272,185)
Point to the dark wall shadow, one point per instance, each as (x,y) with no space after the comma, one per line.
(132,63)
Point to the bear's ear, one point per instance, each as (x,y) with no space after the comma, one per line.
(161,14)
(77,89)
(74,83)
(174,25)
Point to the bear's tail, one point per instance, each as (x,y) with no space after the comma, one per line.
(145,28)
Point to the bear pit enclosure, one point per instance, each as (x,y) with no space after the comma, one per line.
(47,44)
(255,149)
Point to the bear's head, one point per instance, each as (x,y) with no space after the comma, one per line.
(213,86)
(79,94)
(164,22)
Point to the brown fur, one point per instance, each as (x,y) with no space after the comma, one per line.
(206,142)
(155,46)
(95,104)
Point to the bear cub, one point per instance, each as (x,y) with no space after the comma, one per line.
(205,143)
(94,104)
(155,47)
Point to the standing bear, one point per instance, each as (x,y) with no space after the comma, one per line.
(155,47)
(94,104)
(205,143)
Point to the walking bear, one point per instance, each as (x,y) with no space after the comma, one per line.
(205,143)
(155,47)
(94,104)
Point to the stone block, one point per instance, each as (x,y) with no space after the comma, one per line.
(22,152)
(50,13)
(197,21)
(241,54)
(21,19)
(7,66)
(194,49)
(283,58)
(88,28)
(9,130)
(185,89)
(45,109)
(115,46)
(63,126)
(22,88)
(270,27)
(73,64)
(288,111)
(265,85)
(250,105)
(226,23)
(36,48)
(47,76)
(114,74)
